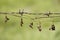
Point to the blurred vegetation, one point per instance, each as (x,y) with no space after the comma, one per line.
(12,30)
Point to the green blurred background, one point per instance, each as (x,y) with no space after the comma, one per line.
(32,5)
(12,30)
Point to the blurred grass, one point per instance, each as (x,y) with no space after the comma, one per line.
(33,5)
(12,30)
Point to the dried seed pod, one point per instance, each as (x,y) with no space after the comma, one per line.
(39,28)
(52,27)
(21,22)
(31,23)
(6,18)
(30,26)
